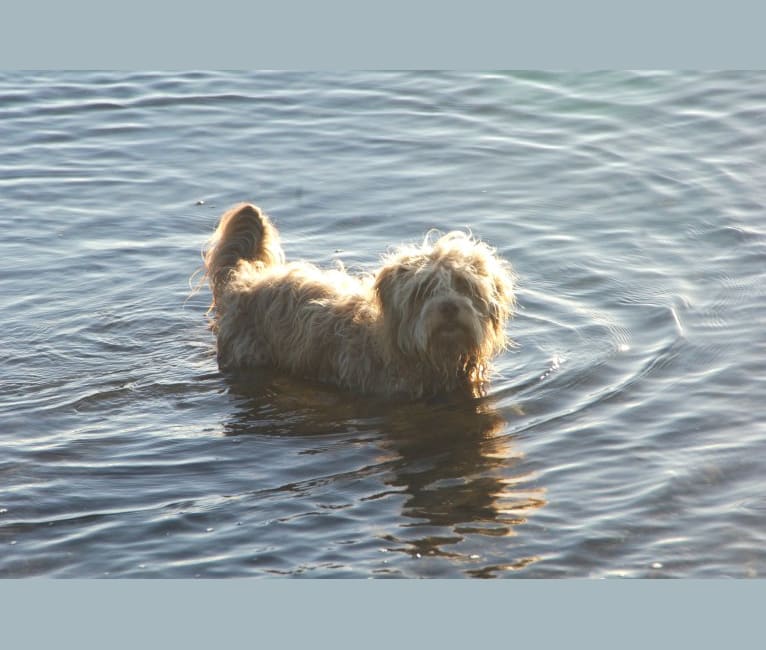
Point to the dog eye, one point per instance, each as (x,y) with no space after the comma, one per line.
(422,293)
(461,285)
(472,291)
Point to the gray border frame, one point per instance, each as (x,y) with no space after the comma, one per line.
(588,34)
(381,614)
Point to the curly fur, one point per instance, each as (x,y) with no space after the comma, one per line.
(428,322)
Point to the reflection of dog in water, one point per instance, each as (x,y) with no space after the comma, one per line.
(451,468)
(428,322)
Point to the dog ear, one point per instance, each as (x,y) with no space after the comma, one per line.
(504,299)
(386,280)
(387,285)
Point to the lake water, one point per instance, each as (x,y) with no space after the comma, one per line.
(624,435)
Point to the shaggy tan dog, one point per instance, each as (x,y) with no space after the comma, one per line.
(428,322)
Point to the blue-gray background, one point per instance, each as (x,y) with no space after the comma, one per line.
(624,436)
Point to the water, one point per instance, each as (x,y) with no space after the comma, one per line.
(623,436)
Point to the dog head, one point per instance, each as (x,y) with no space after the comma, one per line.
(446,302)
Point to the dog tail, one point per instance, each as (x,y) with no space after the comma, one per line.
(244,234)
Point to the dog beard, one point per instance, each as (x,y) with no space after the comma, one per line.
(451,340)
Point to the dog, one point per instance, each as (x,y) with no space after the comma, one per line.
(427,323)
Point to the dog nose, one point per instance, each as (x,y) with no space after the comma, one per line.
(448,309)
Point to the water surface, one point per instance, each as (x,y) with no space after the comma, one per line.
(624,434)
